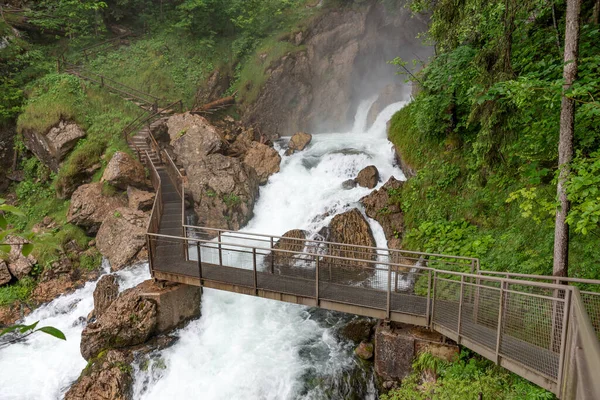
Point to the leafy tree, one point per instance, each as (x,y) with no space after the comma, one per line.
(565,144)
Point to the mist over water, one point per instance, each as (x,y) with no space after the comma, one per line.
(43,367)
(247,347)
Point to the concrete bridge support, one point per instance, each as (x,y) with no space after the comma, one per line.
(397,345)
(176,303)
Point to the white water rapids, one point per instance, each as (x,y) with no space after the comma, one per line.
(241,347)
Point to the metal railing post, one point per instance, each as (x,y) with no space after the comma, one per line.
(220,250)
(389,292)
(254,268)
(396,279)
(199,250)
(317,278)
(427,311)
(150,255)
(272,256)
(460,305)
(432,297)
(563,336)
(500,321)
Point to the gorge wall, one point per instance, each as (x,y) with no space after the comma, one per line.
(341,58)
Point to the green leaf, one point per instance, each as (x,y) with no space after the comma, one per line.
(3,223)
(25,328)
(53,332)
(26,249)
(10,329)
(5,248)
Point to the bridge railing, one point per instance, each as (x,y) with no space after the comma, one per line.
(589,291)
(521,325)
(581,362)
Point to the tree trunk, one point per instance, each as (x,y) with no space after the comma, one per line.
(596,13)
(565,143)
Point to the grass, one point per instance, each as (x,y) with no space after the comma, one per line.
(17,292)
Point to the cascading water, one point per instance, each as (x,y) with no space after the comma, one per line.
(246,347)
(241,347)
(42,367)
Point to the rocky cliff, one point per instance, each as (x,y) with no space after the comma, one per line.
(340,59)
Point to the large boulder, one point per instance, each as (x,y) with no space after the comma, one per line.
(368,177)
(349,230)
(52,147)
(5,275)
(107,290)
(140,200)
(137,314)
(128,321)
(123,170)
(19,265)
(264,159)
(193,137)
(281,260)
(384,206)
(122,236)
(89,206)
(107,377)
(224,190)
(298,142)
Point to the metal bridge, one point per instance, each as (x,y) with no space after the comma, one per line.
(543,328)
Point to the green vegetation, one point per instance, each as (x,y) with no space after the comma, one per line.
(483,136)
(468,378)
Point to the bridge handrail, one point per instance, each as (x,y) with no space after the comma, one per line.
(581,361)
(541,277)
(399,251)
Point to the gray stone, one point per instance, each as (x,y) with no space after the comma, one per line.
(51,147)
(349,184)
(5,275)
(364,350)
(122,236)
(123,171)
(140,200)
(394,352)
(264,159)
(107,290)
(386,209)
(298,142)
(89,206)
(368,177)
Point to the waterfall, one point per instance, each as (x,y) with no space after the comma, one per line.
(242,346)
(253,348)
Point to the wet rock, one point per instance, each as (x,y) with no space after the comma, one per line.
(139,314)
(129,320)
(383,205)
(300,93)
(107,290)
(243,142)
(264,159)
(107,377)
(224,191)
(358,330)
(89,206)
(11,314)
(193,137)
(350,229)
(19,265)
(5,275)
(52,147)
(140,200)
(368,177)
(122,236)
(298,142)
(364,350)
(293,240)
(349,184)
(123,171)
